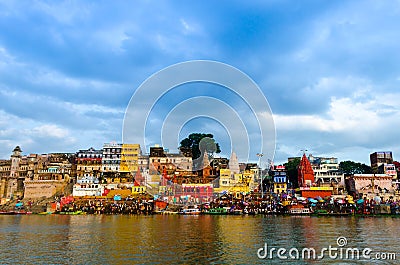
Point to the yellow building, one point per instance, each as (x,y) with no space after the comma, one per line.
(129,158)
(137,190)
(235,184)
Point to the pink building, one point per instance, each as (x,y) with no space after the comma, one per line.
(373,183)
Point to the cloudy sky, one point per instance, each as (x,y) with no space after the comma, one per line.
(330,70)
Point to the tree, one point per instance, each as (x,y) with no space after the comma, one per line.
(199,142)
(291,168)
(351,167)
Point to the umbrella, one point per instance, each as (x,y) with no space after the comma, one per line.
(360,201)
(301,199)
(313,200)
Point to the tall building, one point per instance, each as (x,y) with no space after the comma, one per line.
(111,159)
(380,158)
(129,158)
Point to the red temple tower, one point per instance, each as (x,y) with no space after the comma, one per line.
(305,173)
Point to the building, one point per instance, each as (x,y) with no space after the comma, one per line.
(280,179)
(111,158)
(305,173)
(87,186)
(388,169)
(306,180)
(51,174)
(327,173)
(373,183)
(35,176)
(143,163)
(380,158)
(129,158)
(89,162)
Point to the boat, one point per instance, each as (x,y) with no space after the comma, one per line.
(165,212)
(299,210)
(72,213)
(236,212)
(14,212)
(218,211)
(45,213)
(190,211)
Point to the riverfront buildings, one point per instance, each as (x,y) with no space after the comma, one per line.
(123,169)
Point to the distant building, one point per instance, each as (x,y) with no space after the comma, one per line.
(380,158)
(280,179)
(327,173)
(388,169)
(129,158)
(87,186)
(373,183)
(111,159)
(89,162)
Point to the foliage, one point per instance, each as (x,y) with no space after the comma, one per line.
(194,142)
(291,168)
(351,167)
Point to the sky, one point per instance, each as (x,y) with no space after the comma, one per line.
(330,71)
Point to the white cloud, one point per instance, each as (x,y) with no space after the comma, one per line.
(50,130)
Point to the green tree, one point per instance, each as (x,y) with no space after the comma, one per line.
(195,143)
(351,167)
(291,168)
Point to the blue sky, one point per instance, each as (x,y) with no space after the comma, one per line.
(329,69)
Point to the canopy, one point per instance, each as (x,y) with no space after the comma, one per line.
(312,200)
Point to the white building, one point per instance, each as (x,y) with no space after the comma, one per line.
(87,186)
(326,170)
(111,159)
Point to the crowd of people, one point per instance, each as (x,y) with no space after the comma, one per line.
(127,206)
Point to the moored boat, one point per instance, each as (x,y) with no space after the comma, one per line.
(190,211)
(14,212)
(299,210)
(218,211)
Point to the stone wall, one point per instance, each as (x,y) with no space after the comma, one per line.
(42,188)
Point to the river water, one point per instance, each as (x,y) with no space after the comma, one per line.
(163,239)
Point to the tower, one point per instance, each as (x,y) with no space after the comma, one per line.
(13,179)
(305,173)
(234,164)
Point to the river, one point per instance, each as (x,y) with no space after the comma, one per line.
(163,239)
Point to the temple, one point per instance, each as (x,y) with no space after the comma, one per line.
(307,186)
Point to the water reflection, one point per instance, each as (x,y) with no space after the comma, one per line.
(162,239)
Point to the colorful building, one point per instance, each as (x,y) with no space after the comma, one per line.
(89,162)
(129,158)
(280,179)
(306,180)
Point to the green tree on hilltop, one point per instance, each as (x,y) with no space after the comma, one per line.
(193,142)
(351,167)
